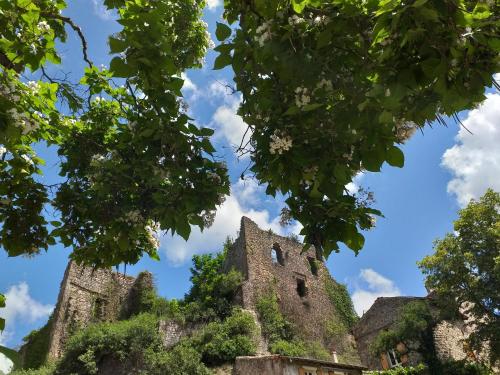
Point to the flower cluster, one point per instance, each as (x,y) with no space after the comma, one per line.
(152,235)
(325,84)
(22,121)
(33,86)
(264,33)
(302,97)
(295,20)
(279,144)
(43,27)
(3,151)
(134,217)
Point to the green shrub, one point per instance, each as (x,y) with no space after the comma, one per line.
(123,340)
(180,360)
(464,368)
(420,369)
(213,290)
(37,347)
(274,325)
(47,369)
(290,348)
(221,342)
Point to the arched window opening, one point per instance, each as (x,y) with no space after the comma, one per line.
(277,255)
(301,288)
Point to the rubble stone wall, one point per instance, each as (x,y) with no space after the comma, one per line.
(86,296)
(309,308)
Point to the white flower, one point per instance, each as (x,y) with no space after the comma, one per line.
(388,92)
(33,86)
(152,234)
(264,33)
(211,43)
(43,27)
(279,144)
(134,217)
(302,97)
(3,151)
(295,20)
(326,84)
(33,48)
(27,159)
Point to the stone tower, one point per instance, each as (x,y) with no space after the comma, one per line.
(274,263)
(87,296)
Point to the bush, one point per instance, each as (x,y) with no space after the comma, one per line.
(37,347)
(180,360)
(274,325)
(47,369)
(420,369)
(213,290)
(290,348)
(221,342)
(464,368)
(124,341)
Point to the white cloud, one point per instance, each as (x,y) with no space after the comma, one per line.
(188,84)
(212,4)
(374,285)
(20,308)
(244,196)
(353,187)
(230,125)
(101,11)
(475,160)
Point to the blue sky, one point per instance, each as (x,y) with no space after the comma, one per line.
(445,167)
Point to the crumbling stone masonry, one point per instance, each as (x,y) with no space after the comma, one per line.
(87,296)
(272,263)
(449,335)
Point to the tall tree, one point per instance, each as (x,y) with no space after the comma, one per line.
(465,270)
(332,87)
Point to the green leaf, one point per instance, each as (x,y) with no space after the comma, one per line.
(395,157)
(311,107)
(119,68)
(222,32)
(183,228)
(299,5)
(222,61)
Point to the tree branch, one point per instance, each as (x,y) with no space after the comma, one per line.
(77,29)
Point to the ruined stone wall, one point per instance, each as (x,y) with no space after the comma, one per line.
(289,276)
(448,334)
(86,296)
(381,316)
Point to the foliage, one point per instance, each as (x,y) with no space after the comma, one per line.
(36,347)
(180,360)
(420,369)
(464,368)
(373,76)
(47,369)
(414,328)
(340,298)
(464,270)
(221,342)
(128,152)
(123,340)
(274,325)
(2,305)
(213,290)
(281,334)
